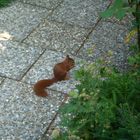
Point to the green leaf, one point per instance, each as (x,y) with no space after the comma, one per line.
(4,3)
(120,14)
(114,98)
(107,13)
(116,10)
(118,3)
(73,94)
(130,9)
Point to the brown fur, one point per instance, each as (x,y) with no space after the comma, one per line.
(60,71)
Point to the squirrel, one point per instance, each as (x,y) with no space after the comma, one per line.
(60,72)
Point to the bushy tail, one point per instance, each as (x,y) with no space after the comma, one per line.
(39,87)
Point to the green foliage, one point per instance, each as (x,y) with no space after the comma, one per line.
(4,3)
(129,122)
(104,106)
(106,103)
(118,9)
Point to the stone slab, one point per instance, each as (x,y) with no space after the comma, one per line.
(84,13)
(126,21)
(20,19)
(1,79)
(107,42)
(16,58)
(43,69)
(49,4)
(54,126)
(23,114)
(58,36)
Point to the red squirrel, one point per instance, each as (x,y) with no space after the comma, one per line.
(60,72)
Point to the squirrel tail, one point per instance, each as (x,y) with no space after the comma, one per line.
(39,87)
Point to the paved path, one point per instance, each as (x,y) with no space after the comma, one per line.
(36,34)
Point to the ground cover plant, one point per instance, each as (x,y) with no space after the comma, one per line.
(106,103)
(103,107)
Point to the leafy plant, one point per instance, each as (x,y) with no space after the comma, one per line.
(120,8)
(4,3)
(106,103)
(104,106)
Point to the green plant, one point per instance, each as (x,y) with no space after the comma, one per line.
(105,108)
(105,105)
(120,8)
(4,2)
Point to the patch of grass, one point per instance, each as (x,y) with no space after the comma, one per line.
(4,3)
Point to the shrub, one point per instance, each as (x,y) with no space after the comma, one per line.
(103,107)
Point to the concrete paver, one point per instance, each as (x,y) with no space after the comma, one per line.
(84,13)
(49,4)
(1,79)
(58,36)
(16,58)
(20,19)
(107,42)
(44,67)
(23,114)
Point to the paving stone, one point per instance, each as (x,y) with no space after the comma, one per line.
(10,13)
(1,79)
(23,114)
(20,19)
(58,36)
(106,41)
(15,58)
(43,69)
(64,86)
(49,4)
(126,21)
(80,12)
(54,126)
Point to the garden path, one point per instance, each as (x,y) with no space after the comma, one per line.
(36,34)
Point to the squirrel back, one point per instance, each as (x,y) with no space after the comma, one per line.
(60,71)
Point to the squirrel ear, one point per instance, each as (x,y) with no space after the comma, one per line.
(68,56)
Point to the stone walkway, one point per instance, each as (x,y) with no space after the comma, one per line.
(35,35)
